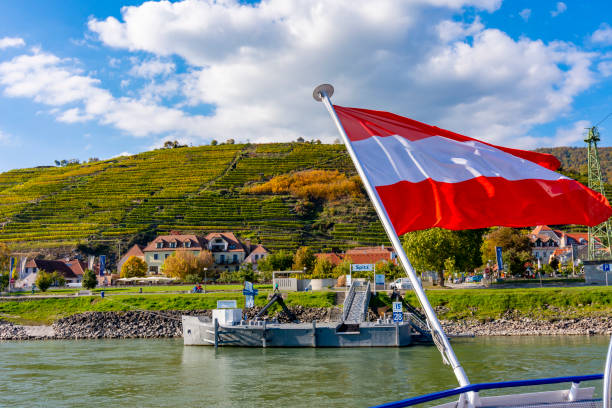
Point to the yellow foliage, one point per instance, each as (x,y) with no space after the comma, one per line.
(183,262)
(133,267)
(312,184)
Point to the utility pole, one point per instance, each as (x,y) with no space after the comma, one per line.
(601,231)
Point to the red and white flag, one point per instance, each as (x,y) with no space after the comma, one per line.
(430,177)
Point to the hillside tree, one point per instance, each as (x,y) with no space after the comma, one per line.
(90,280)
(5,257)
(323,268)
(134,267)
(278,261)
(436,249)
(182,263)
(304,259)
(516,248)
(44,280)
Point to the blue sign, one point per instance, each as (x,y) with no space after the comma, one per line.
(250,294)
(379,279)
(102,264)
(500,263)
(249,301)
(605,267)
(398,317)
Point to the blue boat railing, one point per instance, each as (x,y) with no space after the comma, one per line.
(488,386)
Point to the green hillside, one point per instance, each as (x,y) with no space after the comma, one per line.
(575,159)
(191,189)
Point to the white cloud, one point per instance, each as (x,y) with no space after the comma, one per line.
(561,8)
(77,97)
(151,68)
(6,139)
(605,68)
(603,34)
(258,64)
(7,42)
(525,14)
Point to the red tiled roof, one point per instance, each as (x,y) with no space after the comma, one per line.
(55,266)
(196,243)
(136,250)
(229,237)
(77,267)
(333,257)
(258,250)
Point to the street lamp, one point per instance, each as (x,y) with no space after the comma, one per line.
(204,289)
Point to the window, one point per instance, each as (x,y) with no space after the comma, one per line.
(235,258)
(156,256)
(159,244)
(173,245)
(166,257)
(188,244)
(221,258)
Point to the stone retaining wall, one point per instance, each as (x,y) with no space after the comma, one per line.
(140,324)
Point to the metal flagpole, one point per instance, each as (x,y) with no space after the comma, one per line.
(322,94)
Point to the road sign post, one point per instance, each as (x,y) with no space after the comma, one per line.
(249,292)
(398,312)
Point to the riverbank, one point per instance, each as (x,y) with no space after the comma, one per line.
(167,324)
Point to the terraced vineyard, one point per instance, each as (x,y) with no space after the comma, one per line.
(196,189)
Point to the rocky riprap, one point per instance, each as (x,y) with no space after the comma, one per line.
(142,324)
(137,324)
(9,331)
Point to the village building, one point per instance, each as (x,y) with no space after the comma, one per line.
(71,270)
(362,255)
(228,252)
(158,250)
(548,244)
(257,253)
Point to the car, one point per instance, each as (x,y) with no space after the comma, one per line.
(401,283)
(474,279)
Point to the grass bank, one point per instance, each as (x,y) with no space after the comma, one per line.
(537,303)
(136,289)
(45,311)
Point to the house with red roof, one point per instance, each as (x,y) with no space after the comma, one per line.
(362,255)
(136,250)
(257,253)
(548,243)
(158,250)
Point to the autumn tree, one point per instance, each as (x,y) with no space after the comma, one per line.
(278,261)
(182,263)
(323,268)
(436,248)
(304,259)
(133,267)
(516,248)
(343,268)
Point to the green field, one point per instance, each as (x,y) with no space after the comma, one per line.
(536,303)
(45,311)
(481,304)
(136,289)
(190,189)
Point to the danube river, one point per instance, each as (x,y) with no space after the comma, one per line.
(163,373)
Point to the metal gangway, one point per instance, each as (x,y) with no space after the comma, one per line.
(355,307)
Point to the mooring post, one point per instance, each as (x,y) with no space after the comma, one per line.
(314,333)
(263,335)
(216,324)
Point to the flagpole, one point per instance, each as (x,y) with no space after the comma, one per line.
(322,94)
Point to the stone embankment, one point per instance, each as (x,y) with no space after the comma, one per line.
(141,324)
(136,324)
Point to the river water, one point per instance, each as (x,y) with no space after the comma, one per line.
(164,373)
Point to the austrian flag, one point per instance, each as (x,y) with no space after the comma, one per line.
(430,177)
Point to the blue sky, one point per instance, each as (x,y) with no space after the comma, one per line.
(98,79)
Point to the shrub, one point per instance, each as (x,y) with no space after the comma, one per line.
(58,279)
(192,278)
(89,279)
(44,280)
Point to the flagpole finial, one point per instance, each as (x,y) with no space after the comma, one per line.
(318,92)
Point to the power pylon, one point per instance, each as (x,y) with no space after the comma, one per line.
(601,231)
